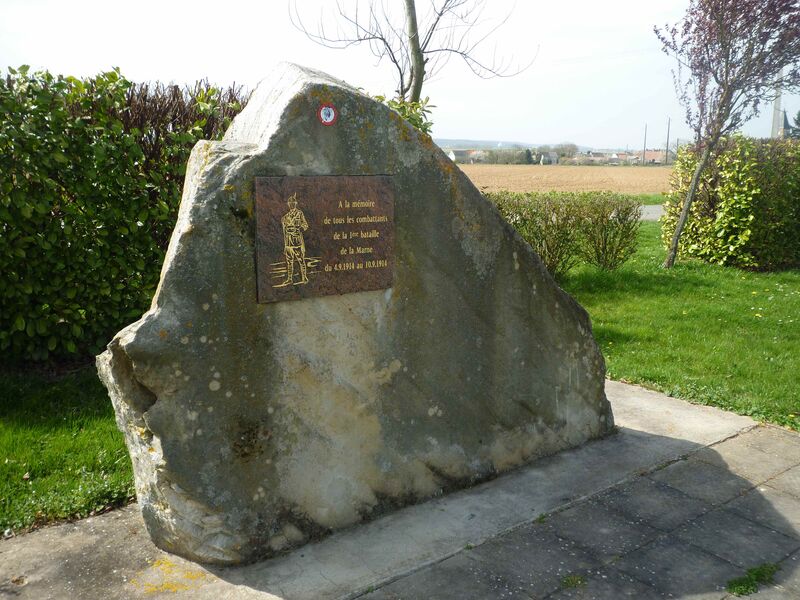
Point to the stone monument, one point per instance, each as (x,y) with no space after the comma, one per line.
(343,325)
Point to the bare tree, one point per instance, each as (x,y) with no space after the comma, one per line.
(732,55)
(416,48)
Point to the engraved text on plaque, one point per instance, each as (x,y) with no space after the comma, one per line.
(323,235)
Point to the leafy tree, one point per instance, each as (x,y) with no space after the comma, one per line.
(416,113)
(566,150)
(794,132)
(416,48)
(732,55)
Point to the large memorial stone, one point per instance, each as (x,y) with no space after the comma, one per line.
(343,325)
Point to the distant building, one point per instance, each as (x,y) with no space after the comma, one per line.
(785,130)
(599,157)
(619,157)
(623,158)
(459,156)
(476,156)
(657,157)
(549,158)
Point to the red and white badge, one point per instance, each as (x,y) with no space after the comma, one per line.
(327,114)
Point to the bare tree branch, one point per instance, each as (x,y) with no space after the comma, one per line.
(731,57)
(416,50)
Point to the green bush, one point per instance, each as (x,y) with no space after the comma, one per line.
(608,229)
(548,222)
(416,113)
(90,180)
(565,227)
(747,209)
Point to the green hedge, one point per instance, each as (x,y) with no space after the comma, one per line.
(91,172)
(566,227)
(747,210)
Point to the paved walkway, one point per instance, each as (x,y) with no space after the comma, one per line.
(683,499)
(652,212)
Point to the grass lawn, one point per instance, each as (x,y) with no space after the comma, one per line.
(61,455)
(651,199)
(713,335)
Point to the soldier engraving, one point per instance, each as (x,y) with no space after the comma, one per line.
(294,247)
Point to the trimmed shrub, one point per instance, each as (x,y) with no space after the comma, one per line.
(565,227)
(747,209)
(608,228)
(548,222)
(90,181)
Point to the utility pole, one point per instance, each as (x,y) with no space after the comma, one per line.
(666,153)
(644,149)
(777,113)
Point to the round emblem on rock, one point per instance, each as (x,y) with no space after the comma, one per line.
(327,114)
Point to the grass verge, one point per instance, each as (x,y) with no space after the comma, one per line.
(713,335)
(61,455)
(651,199)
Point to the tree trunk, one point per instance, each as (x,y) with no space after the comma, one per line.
(417,59)
(687,204)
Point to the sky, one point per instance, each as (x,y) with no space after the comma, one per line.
(596,78)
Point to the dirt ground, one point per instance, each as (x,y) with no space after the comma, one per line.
(529,178)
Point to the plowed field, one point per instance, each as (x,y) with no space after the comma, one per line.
(542,178)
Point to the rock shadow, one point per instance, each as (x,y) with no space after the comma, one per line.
(683,529)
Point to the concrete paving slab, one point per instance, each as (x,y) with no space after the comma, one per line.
(788,482)
(644,410)
(770,592)
(534,559)
(788,577)
(653,503)
(774,440)
(736,539)
(739,456)
(111,557)
(652,212)
(604,533)
(610,584)
(786,585)
(457,577)
(93,558)
(703,481)
(680,570)
(783,514)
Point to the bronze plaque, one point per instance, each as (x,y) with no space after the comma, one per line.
(317,236)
